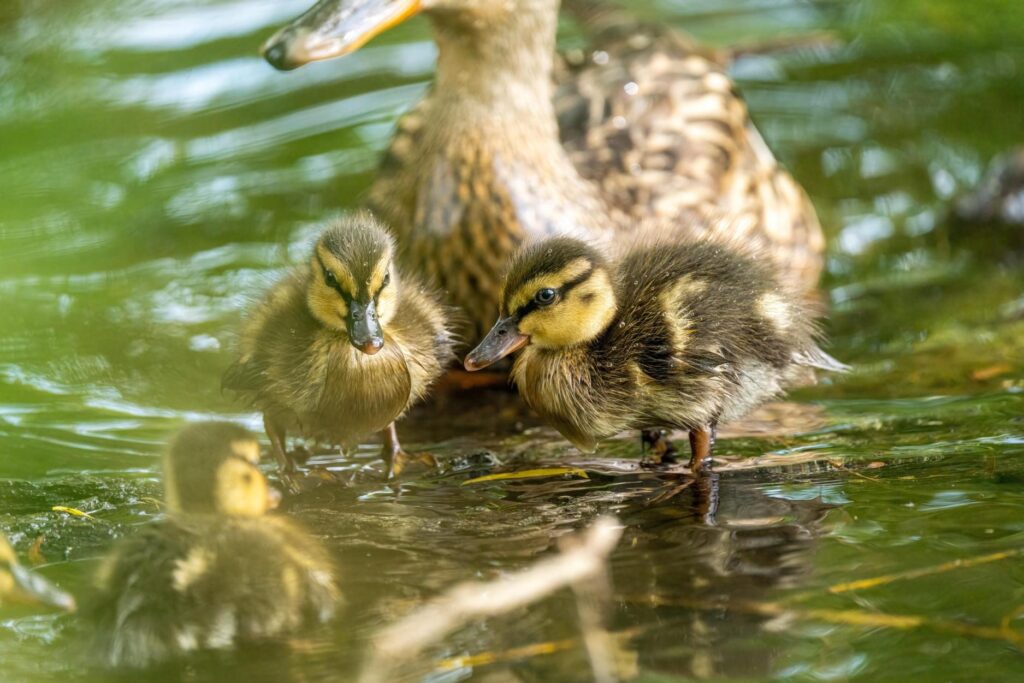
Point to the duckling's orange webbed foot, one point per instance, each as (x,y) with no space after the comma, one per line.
(396,460)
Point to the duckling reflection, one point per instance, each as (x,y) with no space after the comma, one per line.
(20,586)
(676,334)
(682,574)
(218,571)
(343,346)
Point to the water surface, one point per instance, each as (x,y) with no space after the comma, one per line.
(156,175)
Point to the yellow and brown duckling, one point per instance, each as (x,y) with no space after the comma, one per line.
(19,586)
(343,346)
(218,571)
(507,147)
(680,335)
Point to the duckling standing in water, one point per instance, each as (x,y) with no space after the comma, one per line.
(343,346)
(218,571)
(20,586)
(682,335)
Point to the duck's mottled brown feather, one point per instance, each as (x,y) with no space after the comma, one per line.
(658,125)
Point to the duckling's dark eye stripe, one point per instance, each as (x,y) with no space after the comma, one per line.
(331,282)
(532,305)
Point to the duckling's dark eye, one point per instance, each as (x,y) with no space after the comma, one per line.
(546,296)
(387,279)
(330,279)
(247,478)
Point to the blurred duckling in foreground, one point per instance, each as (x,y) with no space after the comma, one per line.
(682,335)
(218,571)
(20,586)
(343,346)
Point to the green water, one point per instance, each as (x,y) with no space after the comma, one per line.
(155,175)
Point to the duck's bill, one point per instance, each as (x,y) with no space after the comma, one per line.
(503,339)
(333,28)
(364,327)
(30,588)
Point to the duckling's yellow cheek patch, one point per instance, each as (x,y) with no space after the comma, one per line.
(380,270)
(387,304)
(327,305)
(242,490)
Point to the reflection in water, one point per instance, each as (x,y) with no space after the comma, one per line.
(155,181)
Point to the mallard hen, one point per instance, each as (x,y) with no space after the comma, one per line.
(506,148)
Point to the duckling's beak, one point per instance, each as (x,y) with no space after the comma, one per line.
(364,328)
(333,28)
(30,588)
(503,339)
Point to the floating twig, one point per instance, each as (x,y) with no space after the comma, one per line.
(529,474)
(885,579)
(403,641)
(74,512)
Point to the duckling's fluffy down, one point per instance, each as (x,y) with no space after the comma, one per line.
(202,582)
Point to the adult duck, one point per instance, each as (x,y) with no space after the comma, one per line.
(511,145)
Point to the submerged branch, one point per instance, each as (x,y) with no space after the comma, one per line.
(577,562)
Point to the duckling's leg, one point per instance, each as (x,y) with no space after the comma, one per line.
(276,433)
(661,446)
(394,456)
(702,444)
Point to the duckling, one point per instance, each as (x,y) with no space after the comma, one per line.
(343,346)
(218,571)
(19,585)
(675,334)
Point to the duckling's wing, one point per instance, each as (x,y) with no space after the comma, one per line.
(657,124)
(816,358)
(242,375)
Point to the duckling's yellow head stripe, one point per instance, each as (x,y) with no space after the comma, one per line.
(556,280)
(379,273)
(329,263)
(584,312)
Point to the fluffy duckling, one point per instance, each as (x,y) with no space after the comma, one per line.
(682,335)
(343,346)
(20,586)
(218,571)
